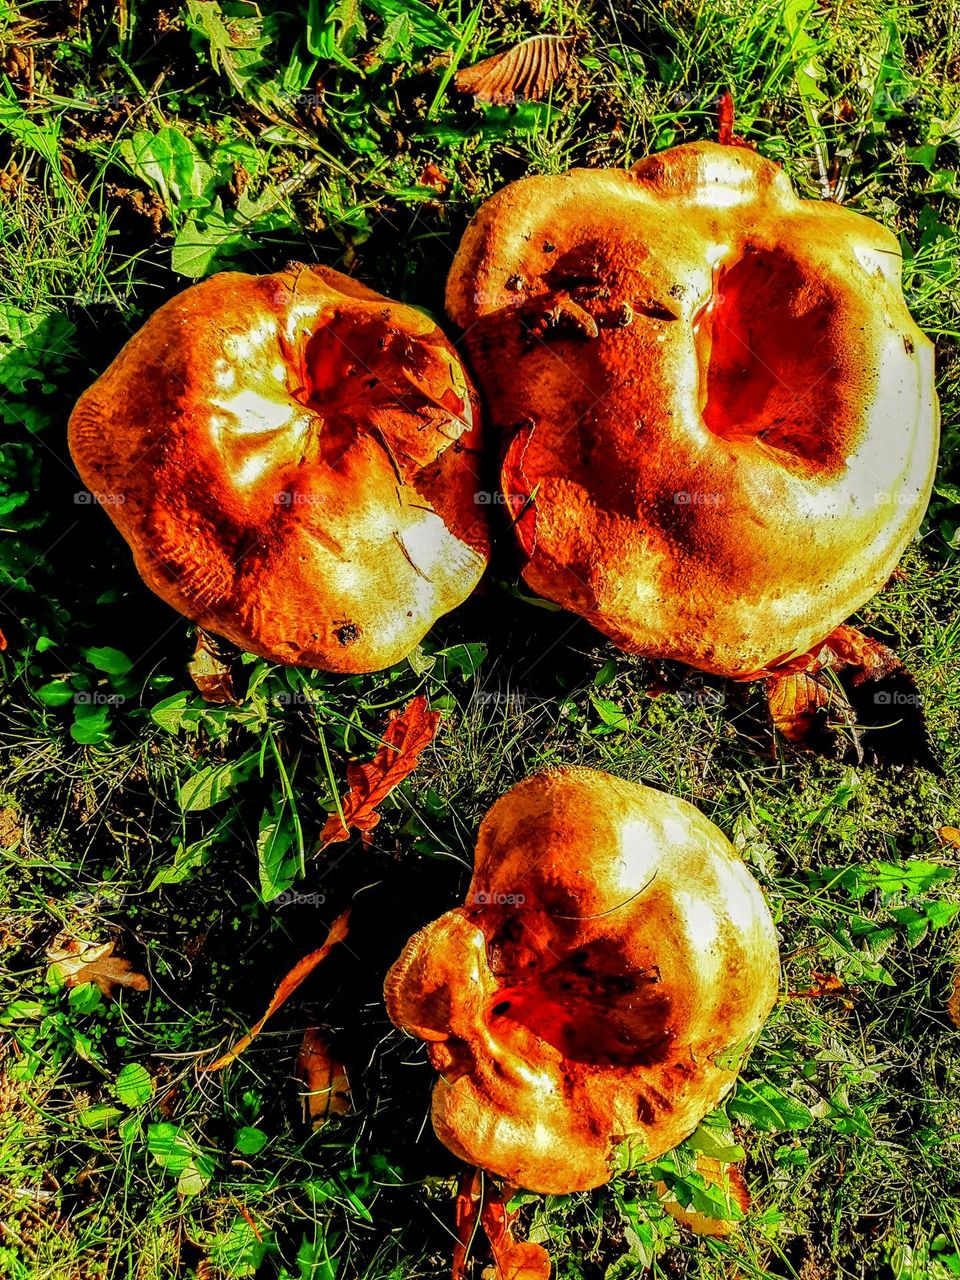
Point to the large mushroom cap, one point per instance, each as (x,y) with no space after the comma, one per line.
(292,459)
(610,968)
(718,418)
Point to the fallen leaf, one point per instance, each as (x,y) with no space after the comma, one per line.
(953,1000)
(525,71)
(434,177)
(851,689)
(11,830)
(725,117)
(729,1179)
(406,735)
(301,970)
(327,1091)
(824,984)
(80,962)
(209,672)
(248,1219)
(805,706)
(480,1203)
(949,836)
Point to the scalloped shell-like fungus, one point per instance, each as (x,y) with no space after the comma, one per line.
(717,418)
(609,970)
(293,460)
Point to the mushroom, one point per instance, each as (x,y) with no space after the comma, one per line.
(609,970)
(717,417)
(293,461)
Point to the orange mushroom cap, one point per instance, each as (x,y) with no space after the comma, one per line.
(292,459)
(612,963)
(718,417)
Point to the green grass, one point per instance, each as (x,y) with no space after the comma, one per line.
(150,146)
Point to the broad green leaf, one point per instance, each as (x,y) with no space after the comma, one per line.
(56,693)
(90,724)
(316,1256)
(213,783)
(186,858)
(21,1010)
(611,714)
(39,133)
(428,28)
(110,661)
(396,42)
(195,1175)
(239,46)
(172,165)
(277,851)
(181,1157)
(34,347)
(716,1141)
(206,240)
(767,1108)
(888,878)
(249,1140)
(239,1251)
(175,713)
(941,914)
(85,998)
(190,855)
(134,1085)
(465,659)
(99,1117)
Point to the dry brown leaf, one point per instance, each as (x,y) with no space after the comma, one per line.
(11,829)
(953,1000)
(527,70)
(729,1179)
(801,705)
(479,1201)
(949,836)
(209,672)
(870,695)
(406,735)
(301,970)
(79,962)
(327,1091)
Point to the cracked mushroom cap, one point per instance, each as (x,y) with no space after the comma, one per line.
(611,966)
(292,459)
(719,424)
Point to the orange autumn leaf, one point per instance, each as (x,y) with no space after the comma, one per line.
(407,733)
(804,705)
(824,984)
(432,175)
(479,1202)
(949,837)
(327,1089)
(729,1179)
(953,1000)
(301,970)
(248,1219)
(852,683)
